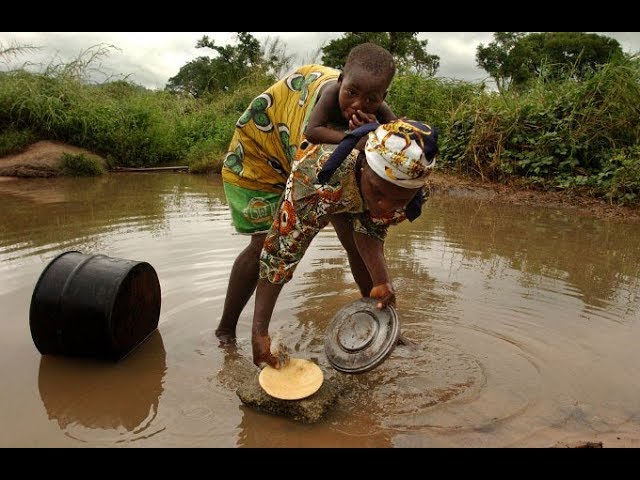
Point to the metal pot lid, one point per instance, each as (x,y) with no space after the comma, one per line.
(360,337)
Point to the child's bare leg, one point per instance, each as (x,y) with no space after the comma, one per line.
(242,284)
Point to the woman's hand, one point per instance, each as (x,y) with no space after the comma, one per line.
(384,294)
(262,351)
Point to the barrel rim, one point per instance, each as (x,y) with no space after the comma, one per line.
(39,281)
(49,265)
(121,279)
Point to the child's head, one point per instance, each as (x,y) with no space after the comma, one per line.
(399,157)
(365,79)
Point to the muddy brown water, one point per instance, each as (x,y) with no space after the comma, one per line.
(526,321)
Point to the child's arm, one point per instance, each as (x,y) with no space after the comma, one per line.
(317,130)
(383,115)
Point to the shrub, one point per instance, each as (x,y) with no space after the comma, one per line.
(15,141)
(79,165)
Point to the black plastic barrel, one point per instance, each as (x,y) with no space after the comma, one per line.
(94,305)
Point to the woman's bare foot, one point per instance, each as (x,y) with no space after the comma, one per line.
(226,337)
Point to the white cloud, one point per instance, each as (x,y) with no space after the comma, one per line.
(151,58)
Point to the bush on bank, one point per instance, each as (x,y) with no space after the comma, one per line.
(564,135)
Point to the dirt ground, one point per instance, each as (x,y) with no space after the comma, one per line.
(42,159)
(581,204)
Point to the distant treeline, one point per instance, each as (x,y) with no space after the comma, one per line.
(561,133)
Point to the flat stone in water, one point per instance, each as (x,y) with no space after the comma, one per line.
(308,410)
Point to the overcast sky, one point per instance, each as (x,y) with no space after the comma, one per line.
(151,58)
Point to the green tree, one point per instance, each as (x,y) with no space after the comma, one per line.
(223,72)
(409,53)
(515,58)
(274,57)
(195,78)
(496,58)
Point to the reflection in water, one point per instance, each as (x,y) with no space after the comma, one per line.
(526,323)
(81,210)
(487,294)
(105,395)
(260,429)
(595,258)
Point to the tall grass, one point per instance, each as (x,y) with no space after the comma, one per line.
(430,99)
(128,124)
(561,135)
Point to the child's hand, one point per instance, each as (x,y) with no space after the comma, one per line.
(360,118)
(384,294)
(262,352)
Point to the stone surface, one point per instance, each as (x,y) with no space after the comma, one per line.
(307,410)
(578,444)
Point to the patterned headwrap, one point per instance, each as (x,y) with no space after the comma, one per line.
(401,151)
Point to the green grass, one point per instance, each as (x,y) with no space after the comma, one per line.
(567,135)
(80,165)
(15,141)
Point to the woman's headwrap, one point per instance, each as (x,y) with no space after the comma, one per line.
(401,151)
